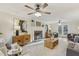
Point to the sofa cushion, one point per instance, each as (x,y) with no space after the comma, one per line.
(73,46)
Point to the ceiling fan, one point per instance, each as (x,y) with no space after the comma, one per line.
(38,8)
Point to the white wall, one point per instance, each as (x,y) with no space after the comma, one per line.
(72,26)
(6,25)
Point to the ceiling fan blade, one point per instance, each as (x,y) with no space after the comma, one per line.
(46,12)
(29,7)
(30,13)
(45,5)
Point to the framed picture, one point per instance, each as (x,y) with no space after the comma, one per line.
(23,25)
(38,23)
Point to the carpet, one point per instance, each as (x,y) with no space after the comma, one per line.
(71,53)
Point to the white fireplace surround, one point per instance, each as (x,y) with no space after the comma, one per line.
(38,35)
(36,29)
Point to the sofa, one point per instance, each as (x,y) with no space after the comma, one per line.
(73,41)
(73,46)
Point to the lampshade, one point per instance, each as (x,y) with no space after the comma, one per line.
(17,27)
(59,23)
(78,28)
(50,27)
(37,14)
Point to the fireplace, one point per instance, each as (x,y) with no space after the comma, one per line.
(38,35)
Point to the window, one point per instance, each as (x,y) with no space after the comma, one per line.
(63,29)
(59,29)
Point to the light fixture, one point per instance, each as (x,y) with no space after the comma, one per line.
(17,27)
(78,28)
(50,27)
(59,22)
(37,14)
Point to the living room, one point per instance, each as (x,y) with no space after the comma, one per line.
(39,29)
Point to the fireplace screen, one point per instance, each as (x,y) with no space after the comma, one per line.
(37,35)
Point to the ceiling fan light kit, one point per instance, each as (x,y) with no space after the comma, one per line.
(37,14)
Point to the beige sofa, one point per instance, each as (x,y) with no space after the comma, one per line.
(73,46)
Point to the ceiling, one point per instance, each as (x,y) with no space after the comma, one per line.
(60,11)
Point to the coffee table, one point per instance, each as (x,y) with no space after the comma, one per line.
(50,43)
(15,52)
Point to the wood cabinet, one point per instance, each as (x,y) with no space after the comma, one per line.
(47,35)
(21,39)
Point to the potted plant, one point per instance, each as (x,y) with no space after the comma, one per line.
(1,34)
